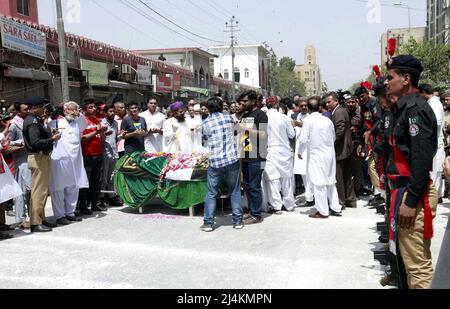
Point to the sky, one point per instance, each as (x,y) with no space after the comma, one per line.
(346,33)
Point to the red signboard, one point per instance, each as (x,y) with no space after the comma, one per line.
(176,82)
(162,84)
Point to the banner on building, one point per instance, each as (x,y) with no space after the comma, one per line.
(162,83)
(144,73)
(98,72)
(22,38)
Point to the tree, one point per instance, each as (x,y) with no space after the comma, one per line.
(435,61)
(285,82)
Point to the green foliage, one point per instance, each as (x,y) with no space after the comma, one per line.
(435,61)
(285,82)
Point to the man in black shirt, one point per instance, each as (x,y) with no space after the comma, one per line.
(253,142)
(413,144)
(39,144)
(134,128)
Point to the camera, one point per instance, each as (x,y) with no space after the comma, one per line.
(52,111)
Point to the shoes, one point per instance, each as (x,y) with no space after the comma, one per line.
(25,225)
(50,225)
(274,212)
(86,212)
(246,216)
(6,228)
(238,226)
(317,215)
(383,240)
(288,210)
(5,236)
(335,213)
(99,208)
(343,207)
(63,221)
(365,192)
(208,228)
(441,201)
(74,219)
(40,229)
(115,202)
(377,201)
(252,220)
(307,204)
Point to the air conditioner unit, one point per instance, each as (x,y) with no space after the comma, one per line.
(126,69)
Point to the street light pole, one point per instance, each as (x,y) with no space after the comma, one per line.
(401,4)
(62,53)
(233,28)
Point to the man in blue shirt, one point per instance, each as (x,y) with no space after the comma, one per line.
(218,131)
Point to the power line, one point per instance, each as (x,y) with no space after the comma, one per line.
(209,14)
(153,20)
(182,28)
(126,23)
(393,5)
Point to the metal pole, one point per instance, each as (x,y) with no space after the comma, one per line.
(62,53)
(233,24)
(409,18)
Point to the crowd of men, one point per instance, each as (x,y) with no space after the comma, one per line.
(387,140)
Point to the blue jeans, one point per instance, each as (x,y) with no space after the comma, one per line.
(252,173)
(231,175)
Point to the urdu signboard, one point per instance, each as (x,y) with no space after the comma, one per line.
(24,39)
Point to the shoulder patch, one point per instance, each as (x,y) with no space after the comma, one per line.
(414,120)
(414,130)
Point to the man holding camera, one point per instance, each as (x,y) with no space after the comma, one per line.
(39,144)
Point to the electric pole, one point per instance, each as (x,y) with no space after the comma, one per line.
(62,53)
(232,26)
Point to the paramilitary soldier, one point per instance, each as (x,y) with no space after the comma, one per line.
(39,144)
(413,144)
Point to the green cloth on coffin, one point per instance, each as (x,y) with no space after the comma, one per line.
(137,178)
(183,194)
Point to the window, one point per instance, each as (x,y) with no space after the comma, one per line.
(23,7)
(237,75)
(226,75)
(247,73)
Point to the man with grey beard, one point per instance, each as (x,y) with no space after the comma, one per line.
(68,174)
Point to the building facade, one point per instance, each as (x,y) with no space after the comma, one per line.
(310,73)
(251,65)
(24,9)
(438,21)
(403,35)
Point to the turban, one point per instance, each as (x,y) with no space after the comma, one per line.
(176,106)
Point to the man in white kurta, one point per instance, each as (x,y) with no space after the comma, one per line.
(177,133)
(300,165)
(155,125)
(279,171)
(68,175)
(439,158)
(318,138)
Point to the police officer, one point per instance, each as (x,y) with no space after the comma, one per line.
(39,144)
(413,144)
(370,112)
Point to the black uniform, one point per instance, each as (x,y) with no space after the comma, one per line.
(414,132)
(37,138)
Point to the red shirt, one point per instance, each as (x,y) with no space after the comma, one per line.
(94,146)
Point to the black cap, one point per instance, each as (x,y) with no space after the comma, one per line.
(406,62)
(36,101)
(379,87)
(361,91)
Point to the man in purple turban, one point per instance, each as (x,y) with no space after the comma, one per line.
(177,134)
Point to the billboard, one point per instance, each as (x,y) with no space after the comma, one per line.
(98,72)
(22,38)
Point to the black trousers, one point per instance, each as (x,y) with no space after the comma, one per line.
(90,197)
(344,183)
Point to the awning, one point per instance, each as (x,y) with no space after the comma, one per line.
(33,74)
(203,91)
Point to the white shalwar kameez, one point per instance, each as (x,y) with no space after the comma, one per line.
(439,158)
(154,142)
(279,170)
(318,138)
(195,125)
(177,137)
(300,164)
(9,188)
(68,175)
